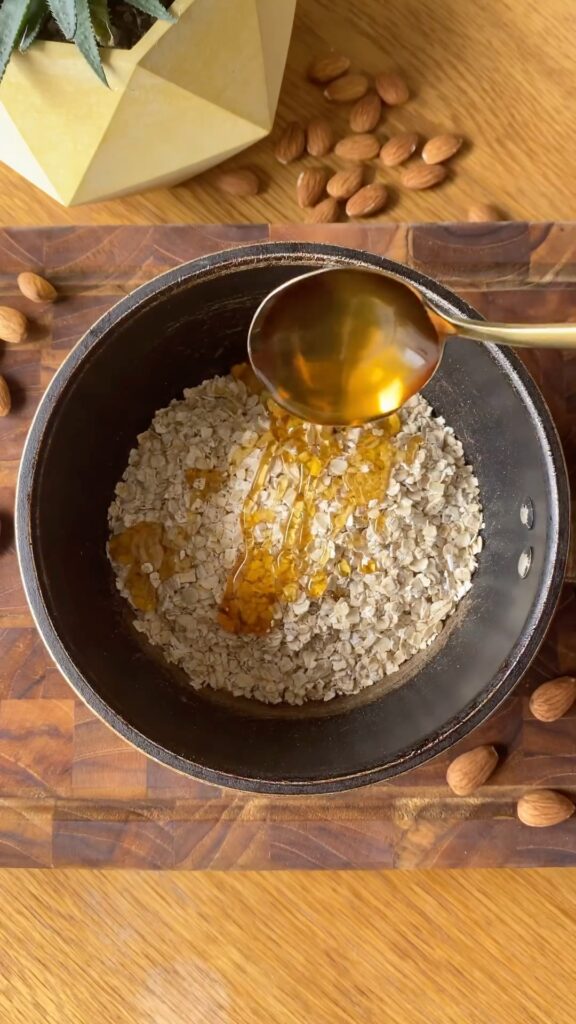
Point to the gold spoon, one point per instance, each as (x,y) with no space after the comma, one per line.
(346,346)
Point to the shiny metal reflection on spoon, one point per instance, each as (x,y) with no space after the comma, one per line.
(344,346)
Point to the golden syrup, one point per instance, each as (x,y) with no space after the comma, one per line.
(138,545)
(361,345)
(268,573)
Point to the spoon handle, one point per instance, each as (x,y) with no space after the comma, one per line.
(519,335)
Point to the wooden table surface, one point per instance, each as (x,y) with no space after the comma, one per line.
(442,947)
(500,72)
(489,947)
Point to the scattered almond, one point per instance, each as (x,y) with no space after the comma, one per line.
(326,69)
(238,182)
(392,89)
(5,400)
(441,148)
(398,149)
(325,212)
(345,183)
(471,770)
(366,113)
(319,137)
(357,148)
(36,288)
(347,89)
(13,325)
(480,212)
(291,144)
(553,699)
(421,175)
(367,201)
(310,186)
(544,807)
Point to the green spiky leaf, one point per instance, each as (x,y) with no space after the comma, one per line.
(35,17)
(85,39)
(154,8)
(12,15)
(64,12)
(101,21)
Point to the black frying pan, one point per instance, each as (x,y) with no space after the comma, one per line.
(175,331)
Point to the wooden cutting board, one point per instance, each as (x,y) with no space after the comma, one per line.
(73,793)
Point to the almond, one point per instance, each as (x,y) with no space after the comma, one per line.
(36,288)
(326,69)
(345,183)
(480,212)
(544,807)
(367,201)
(366,113)
(441,148)
(471,770)
(238,182)
(392,89)
(310,186)
(319,137)
(325,212)
(398,149)
(347,89)
(13,325)
(421,175)
(5,400)
(552,700)
(357,148)
(291,143)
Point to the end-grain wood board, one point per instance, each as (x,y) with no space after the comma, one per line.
(72,793)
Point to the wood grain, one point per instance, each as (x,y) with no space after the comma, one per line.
(424,947)
(73,793)
(499,72)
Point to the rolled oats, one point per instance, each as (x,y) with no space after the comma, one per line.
(191,472)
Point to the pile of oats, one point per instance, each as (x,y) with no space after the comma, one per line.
(423,534)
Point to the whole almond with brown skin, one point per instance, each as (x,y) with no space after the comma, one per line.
(319,137)
(326,69)
(471,770)
(238,182)
(544,807)
(310,186)
(367,201)
(398,149)
(553,699)
(357,148)
(36,288)
(421,175)
(13,325)
(347,89)
(325,212)
(366,113)
(392,89)
(441,148)
(5,400)
(480,212)
(291,143)
(345,183)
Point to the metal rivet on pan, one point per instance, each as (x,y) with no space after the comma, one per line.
(527,513)
(524,563)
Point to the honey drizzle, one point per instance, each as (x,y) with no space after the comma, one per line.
(263,577)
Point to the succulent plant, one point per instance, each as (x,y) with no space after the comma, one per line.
(83,22)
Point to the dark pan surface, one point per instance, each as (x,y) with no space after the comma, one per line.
(174,332)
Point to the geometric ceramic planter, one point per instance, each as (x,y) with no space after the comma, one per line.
(187,96)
